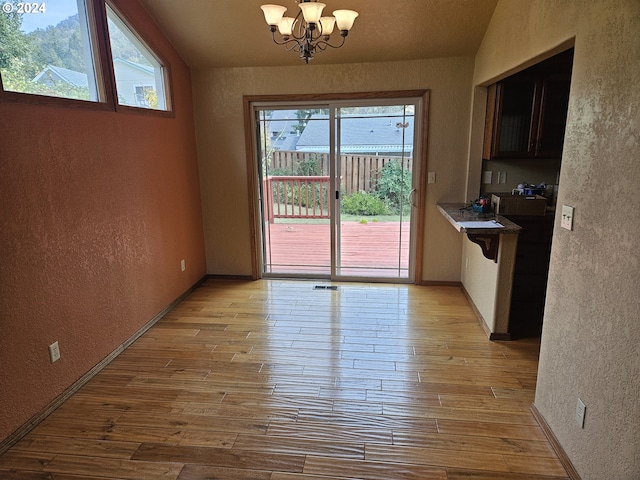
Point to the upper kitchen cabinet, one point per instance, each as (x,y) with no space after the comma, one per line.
(527,112)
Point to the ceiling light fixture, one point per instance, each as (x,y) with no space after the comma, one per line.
(309,32)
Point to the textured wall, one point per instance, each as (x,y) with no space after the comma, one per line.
(221,148)
(480,279)
(534,171)
(488,283)
(590,343)
(97,210)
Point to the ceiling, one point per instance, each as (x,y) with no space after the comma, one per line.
(233,33)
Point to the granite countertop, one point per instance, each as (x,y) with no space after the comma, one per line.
(460,212)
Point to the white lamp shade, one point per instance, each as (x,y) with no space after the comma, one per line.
(312,11)
(285,27)
(345,18)
(327,25)
(273,13)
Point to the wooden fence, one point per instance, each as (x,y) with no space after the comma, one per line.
(358,172)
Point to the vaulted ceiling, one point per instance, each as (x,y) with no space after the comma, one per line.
(233,33)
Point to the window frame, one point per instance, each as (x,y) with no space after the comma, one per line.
(104,70)
(165,66)
(98,49)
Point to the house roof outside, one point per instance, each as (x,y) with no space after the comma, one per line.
(281,129)
(52,73)
(372,134)
(143,68)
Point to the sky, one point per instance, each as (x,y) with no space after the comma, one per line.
(56,11)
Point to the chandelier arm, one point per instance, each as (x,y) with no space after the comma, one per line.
(291,40)
(295,47)
(323,44)
(300,32)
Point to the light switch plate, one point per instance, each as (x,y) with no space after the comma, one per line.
(581,410)
(567,217)
(431,177)
(488,177)
(54,352)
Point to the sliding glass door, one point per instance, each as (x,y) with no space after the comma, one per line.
(294,191)
(336,189)
(374,176)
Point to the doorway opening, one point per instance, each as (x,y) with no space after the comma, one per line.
(337,188)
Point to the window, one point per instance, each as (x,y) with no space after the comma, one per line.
(143,95)
(140,77)
(47,48)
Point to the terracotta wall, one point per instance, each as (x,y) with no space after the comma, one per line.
(96,211)
(590,347)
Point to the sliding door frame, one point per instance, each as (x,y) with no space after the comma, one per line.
(253,174)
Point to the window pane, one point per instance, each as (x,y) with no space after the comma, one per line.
(45,49)
(139,75)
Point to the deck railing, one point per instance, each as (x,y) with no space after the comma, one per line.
(296,197)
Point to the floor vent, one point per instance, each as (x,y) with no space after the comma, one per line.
(325,287)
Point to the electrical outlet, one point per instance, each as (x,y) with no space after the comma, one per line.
(431,177)
(488,177)
(581,410)
(183,265)
(567,217)
(502,177)
(54,352)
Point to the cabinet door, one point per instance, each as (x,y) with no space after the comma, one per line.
(553,116)
(513,122)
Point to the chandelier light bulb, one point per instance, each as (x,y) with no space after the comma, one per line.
(345,19)
(309,32)
(327,24)
(273,13)
(285,27)
(312,11)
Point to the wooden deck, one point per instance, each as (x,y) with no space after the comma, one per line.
(373,249)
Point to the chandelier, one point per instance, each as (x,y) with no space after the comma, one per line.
(309,32)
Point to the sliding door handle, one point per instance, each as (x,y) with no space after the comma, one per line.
(412,196)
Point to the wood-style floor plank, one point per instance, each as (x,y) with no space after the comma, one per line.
(121,469)
(272,380)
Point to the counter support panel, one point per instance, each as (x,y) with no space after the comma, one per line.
(488,243)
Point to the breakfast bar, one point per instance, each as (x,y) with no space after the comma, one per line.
(487,271)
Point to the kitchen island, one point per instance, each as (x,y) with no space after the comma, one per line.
(488,260)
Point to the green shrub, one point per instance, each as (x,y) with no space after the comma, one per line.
(363,203)
(309,167)
(394,186)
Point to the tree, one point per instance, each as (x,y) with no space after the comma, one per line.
(303,116)
(394,186)
(23,56)
(14,44)
(59,45)
(151,97)
(122,47)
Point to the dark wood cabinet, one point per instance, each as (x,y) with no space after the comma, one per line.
(554,102)
(527,112)
(530,275)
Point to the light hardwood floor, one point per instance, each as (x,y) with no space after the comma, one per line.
(273,380)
